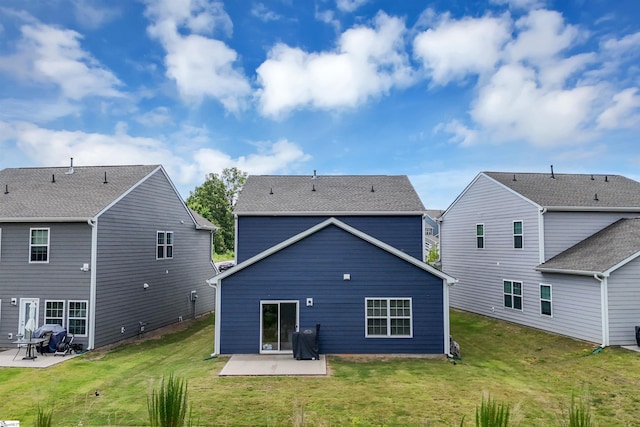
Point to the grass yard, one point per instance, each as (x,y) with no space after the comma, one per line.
(535,373)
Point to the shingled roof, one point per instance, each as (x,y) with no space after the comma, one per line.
(328,194)
(572,190)
(53,193)
(600,252)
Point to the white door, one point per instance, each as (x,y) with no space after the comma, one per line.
(25,312)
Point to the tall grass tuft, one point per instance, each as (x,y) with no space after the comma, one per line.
(492,414)
(43,418)
(169,404)
(579,414)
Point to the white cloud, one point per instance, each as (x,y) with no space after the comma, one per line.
(260,11)
(92,15)
(367,62)
(623,112)
(521,4)
(350,5)
(460,133)
(454,49)
(159,116)
(50,55)
(199,65)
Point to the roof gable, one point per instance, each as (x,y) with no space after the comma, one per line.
(347,228)
(597,192)
(601,253)
(55,194)
(293,195)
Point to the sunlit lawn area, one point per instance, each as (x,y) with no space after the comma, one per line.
(535,373)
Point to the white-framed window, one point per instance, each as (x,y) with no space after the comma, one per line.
(54,312)
(512,294)
(518,235)
(38,245)
(77,318)
(545,300)
(164,245)
(480,236)
(388,318)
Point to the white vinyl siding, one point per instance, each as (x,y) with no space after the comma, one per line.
(54,313)
(39,245)
(518,235)
(388,318)
(164,245)
(77,316)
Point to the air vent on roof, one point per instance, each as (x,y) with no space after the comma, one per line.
(514,177)
(372,190)
(105,178)
(596,197)
(314,175)
(70,171)
(6,189)
(313,188)
(271,191)
(53,178)
(592,178)
(606,178)
(552,174)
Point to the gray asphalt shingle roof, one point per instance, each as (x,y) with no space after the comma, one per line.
(573,190)
(263,194)
(29,193)
(601,251)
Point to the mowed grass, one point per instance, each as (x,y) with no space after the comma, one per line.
(534,372)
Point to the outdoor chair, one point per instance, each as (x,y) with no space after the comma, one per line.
(64,347)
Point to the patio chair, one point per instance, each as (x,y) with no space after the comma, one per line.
(64,347)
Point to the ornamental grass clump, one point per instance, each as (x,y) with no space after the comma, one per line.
(168,405)
(492,414)
(42,418)
(579,414)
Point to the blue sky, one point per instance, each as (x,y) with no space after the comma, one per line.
(436,90)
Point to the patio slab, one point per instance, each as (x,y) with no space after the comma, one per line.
(273,365)
(7,359)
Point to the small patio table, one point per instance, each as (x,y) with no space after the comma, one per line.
(31,343)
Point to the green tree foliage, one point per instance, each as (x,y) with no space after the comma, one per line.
(434,255)
(215,200)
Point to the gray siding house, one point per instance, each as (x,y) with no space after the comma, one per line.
(101,251)
(557,252)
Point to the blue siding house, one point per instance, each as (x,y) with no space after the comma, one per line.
(345,252)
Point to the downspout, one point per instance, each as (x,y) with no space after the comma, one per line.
(216,318)
(604,304)
(235,239)
(445,310)
(541,254)
(92,288)
(424,250)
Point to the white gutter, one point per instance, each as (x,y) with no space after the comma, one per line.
(604,304)
(46,219)
(592,209)
(92,287)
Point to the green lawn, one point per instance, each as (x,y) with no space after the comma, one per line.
(535,373)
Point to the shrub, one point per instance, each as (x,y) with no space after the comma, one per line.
(169,404)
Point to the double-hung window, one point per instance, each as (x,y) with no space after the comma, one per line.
(54,313)
(512,294)
(545,300)
(480,236)
(388,318)
(77,318)
(164,245)
(518,238)
(39,245)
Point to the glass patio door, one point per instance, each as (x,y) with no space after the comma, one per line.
(278,321)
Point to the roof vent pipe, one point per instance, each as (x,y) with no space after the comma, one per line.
(552,174)
(313,188)
(606,178)
(514,177)
(372,190)
(53,178)
(592,178)
(314,175)
(271,191)
(105,178)
(6,189)
(70,171)
(596,197)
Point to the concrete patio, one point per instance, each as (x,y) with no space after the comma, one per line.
(273,365)
(7,359)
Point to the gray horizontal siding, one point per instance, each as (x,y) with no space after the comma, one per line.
(59,279)
(624,303)
(258,233)
(314,268)
(565,229)
(127,260)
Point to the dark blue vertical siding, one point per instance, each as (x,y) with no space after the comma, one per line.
(259,233)
(314,268)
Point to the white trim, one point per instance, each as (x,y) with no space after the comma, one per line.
(164,245)
(333,213)
(285,301)
(217,317)
(48,245)
(86,318)
(446,318)
(521,295)
(541,253)
(550,300)
(0,244)
(484,242)
(388,317)
(333,221)
(22,320)
(44,219)
(91,327)
(424,230)
(621,263)
(604,307)
(513,231)
(235,237)
(44,314)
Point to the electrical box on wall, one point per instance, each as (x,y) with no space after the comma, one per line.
(309,302)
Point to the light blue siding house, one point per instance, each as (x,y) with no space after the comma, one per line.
(99,250)
(558,252)
(345,252)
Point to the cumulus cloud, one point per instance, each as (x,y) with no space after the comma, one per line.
(623,112)
(260,11)
(93,15)
(349,5)
(201,66)
(454,49)
(520,4)
(367,62)
(52,56)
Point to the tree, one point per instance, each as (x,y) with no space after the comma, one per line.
(215,200)
(434,255)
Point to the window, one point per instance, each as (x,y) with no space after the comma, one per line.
(545,300)
(388,317)
(164,245)
(0,244)
(512,294)
(480,236)
(77,318)
(518,242)
(54,313)
(39,245)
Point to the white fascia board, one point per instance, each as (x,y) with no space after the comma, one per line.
(47,219)
(568,271)
(333,221)
(621,263)
(633,209)
(332,213)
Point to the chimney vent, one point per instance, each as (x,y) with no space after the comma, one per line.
(70,171)
(315,176)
